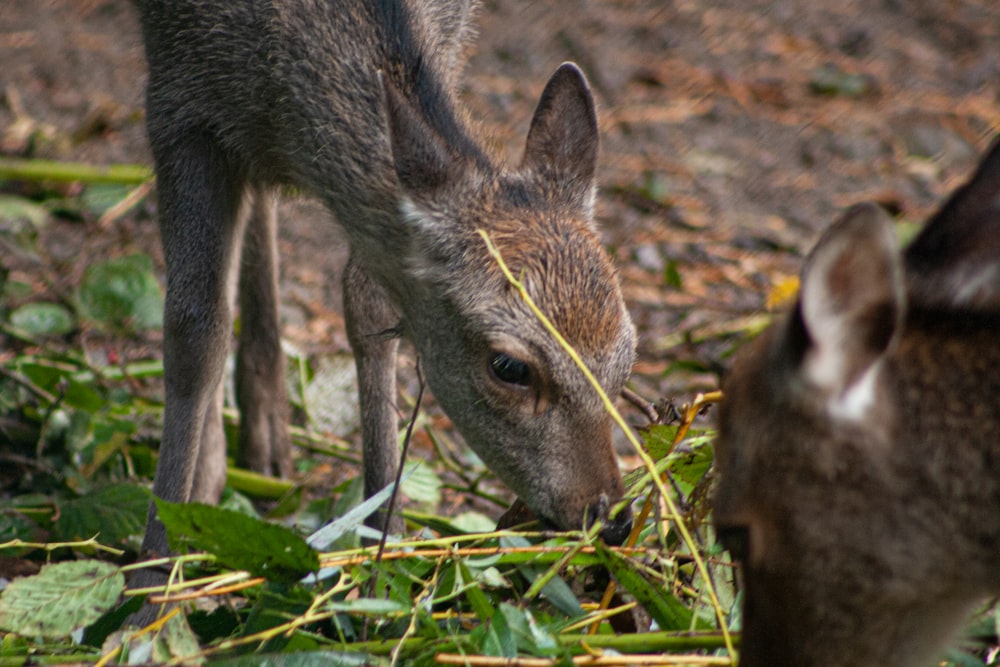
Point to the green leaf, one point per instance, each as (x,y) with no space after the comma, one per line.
(238,541)
(43,319)
(99,197)
(121,293)
(423,486)
(61,598)
(176,640)
(477,599)
(372,606)
(660,439)
(20,222)
(310,659)
(117,513)
(669,612)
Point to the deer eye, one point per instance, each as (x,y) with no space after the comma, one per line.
(510,370)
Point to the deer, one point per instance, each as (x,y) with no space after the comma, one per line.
(355,102)
(858,446)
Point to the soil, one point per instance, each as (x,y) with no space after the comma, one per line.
(733,132)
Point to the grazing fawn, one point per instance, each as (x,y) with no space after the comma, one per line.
(354,102)
(859,443)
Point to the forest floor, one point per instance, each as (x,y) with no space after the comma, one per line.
(733,131)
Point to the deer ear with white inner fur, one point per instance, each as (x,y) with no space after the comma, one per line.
(851,306)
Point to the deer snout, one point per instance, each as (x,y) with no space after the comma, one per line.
(617,528)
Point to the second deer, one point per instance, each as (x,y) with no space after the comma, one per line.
(859,443)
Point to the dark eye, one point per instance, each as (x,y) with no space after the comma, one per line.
(510,370)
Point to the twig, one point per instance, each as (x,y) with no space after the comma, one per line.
(644,406)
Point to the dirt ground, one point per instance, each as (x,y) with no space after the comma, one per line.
(733,132)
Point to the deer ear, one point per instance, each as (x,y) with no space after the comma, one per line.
(563,139)
(851,303)
(420,156)
(955,261)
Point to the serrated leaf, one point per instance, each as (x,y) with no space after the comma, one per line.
(121,293)
(659,440)
(43,319)
(61,598)
(669,612)
(116,513)
(238,541)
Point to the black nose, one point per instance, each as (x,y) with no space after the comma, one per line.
(617,528)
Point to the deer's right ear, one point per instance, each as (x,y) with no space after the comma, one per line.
(419,155)
(851,306)
(563,139)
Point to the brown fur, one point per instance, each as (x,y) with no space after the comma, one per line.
(869,528)
(353,101)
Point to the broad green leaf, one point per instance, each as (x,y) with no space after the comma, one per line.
(20,222)
(238,541)
(114,514)
(423,487)
(99,197)
(121,293)
(61,598)
(669,612)
(43,319)
(474,522)
(659,440)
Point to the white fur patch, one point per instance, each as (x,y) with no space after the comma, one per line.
(972,286)
(857,400)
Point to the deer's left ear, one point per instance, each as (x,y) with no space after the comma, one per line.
(420,156)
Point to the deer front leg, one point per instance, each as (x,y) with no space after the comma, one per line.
(371,323)
(261,393)
(200,193)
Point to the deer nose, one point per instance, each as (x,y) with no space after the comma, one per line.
(616,528)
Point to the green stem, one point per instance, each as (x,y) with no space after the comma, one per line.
(50,170)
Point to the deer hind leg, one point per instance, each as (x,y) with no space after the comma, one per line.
(261,392)
(370,325)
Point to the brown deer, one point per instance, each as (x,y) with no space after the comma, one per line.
(859,443)
(354,102)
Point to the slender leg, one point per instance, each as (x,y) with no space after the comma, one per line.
(260,364)
(200,194)
(370,318)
